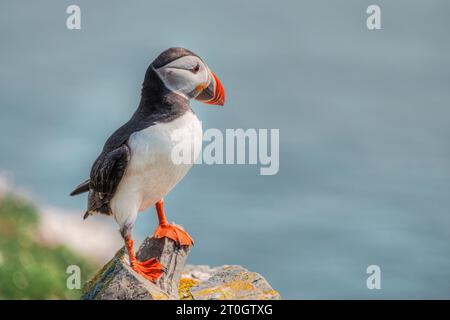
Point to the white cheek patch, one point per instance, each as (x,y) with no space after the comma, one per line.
(178,77)
(186,62)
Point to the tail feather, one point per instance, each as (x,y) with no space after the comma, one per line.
(82,187)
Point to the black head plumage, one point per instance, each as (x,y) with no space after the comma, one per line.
(170,55)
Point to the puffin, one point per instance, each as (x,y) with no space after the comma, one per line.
(136,168)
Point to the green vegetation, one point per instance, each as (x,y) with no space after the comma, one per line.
(29,269)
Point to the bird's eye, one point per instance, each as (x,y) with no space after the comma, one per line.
(196,68)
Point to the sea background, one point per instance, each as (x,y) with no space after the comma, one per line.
(363,116)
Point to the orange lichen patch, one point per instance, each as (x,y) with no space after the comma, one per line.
(184,288)
(270,294)
(230,290)
(157,296)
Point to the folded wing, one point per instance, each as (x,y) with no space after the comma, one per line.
(105,177)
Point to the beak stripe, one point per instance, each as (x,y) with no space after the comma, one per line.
(219,92)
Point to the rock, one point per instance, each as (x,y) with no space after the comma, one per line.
(171,256)
(224,283)
(199,272)
(117,281)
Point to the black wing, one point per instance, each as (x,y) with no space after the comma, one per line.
(108,170)
(105,177)
(81,188)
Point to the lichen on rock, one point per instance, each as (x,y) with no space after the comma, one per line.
(116,280)
(234,282)
(184,288)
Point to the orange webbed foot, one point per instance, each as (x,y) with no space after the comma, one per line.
(173,232)
(151,269)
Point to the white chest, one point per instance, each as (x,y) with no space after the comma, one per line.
(155,167)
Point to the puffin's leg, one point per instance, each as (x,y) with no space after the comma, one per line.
(170,231)
(150,269)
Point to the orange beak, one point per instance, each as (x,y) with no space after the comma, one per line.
(214,93)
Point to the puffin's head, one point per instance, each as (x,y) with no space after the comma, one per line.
(184,73)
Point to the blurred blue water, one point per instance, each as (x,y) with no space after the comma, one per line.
(363,117)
